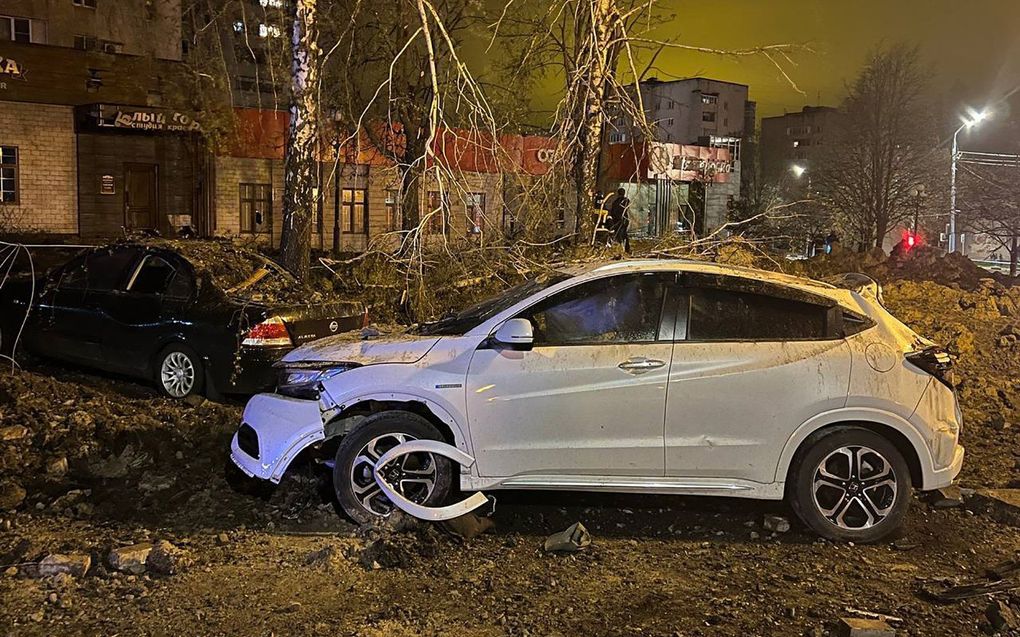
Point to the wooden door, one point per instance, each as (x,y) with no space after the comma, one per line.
(141,205)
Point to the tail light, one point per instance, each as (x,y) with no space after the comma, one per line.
(270,332)
(935,361)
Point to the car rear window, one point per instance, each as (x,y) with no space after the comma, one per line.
(728,315)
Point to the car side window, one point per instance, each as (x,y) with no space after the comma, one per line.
(102,270)
(730,315)
(153,277)
(620,309)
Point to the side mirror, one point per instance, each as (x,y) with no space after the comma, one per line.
(516,334)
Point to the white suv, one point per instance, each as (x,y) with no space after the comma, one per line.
(640,376)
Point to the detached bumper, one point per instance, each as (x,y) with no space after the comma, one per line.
(274,430)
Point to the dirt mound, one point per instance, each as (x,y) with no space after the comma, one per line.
(919,264)
(55,432)
(981,330)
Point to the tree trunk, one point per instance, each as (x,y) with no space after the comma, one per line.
(302,141)
(599,70)
(881,229)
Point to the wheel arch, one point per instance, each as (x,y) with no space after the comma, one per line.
(352,413)
(897,430)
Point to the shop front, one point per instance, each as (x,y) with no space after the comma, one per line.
(139,169)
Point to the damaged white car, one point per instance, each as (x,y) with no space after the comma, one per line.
(668,377)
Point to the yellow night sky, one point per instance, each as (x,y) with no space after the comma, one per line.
(973,46)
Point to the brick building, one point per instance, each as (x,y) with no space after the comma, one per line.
(361,191)
(95,141)
(78,79)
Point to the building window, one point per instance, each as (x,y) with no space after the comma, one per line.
(354,210)
(475,205)
(88,4)
(256,208)
(709,99)
(238,26)
(85,42)
(269,31)
(438,212)
(15,29)
(8,174)
(274,4)
(708,116)
(392,210)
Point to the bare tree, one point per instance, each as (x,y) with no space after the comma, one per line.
(990,205)
(883,147)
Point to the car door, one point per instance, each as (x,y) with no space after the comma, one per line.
(73,314)
(141,316)
(752,362)
(588,399)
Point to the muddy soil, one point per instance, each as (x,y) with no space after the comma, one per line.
(104,462)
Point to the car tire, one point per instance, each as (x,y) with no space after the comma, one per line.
(851,485)
(179,372)
(354,484)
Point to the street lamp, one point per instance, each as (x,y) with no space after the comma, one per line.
(969,121)
(797,170)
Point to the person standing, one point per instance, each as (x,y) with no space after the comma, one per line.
(619,222)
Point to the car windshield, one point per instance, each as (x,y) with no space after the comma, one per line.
(455,324)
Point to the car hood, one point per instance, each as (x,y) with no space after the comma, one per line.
(352,348)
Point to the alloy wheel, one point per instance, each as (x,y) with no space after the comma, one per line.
(413,476)
(177,374)
(854,487)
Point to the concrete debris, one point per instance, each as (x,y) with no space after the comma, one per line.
(1001,617)
(12,495)
(75,565)
(776,524)
(12,433)
(570,540)
(167,559)
(1002,504)
(56,467)
(130,559)
(946,497)
(118,466)
(860,627)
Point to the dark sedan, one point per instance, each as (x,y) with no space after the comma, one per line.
(148,310)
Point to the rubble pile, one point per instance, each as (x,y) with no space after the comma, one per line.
(56,433)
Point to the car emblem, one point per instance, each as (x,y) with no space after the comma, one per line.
(333,326)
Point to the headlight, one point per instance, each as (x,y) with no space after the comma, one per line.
(305,381)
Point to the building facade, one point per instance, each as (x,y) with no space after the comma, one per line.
(702,112)
(793,141)
(89,149)
(134,27)
(358,202)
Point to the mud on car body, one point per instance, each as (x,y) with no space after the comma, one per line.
(146,310)
(668,377)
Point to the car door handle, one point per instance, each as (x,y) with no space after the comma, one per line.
(640,365)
